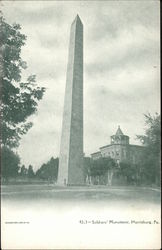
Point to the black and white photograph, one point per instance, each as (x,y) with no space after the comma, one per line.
(80,124)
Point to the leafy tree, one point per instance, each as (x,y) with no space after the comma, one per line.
(110,166)
(30,172)
(23,171)
(150,163)
(102,166)
(129,171)
(48,171)
(19,100)
(41,173)
(97,168)
(9,162)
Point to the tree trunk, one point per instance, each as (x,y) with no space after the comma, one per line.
(110,177)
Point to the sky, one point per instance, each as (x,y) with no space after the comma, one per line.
(121,69)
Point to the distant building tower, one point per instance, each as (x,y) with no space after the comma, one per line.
(119,137)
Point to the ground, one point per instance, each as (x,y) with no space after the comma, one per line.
(85,217)
(89,193)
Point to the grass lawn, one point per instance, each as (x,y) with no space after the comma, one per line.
(82,193)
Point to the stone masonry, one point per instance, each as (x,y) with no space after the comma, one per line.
(71,148)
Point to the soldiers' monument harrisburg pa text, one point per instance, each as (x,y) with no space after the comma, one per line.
(71,149)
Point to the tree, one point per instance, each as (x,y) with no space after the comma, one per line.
(19,100)
(87,169)
(150,163)
(30,172)
(103,166)
(23,171)
(110,166)
(10,163)
(49,170)
(129,171)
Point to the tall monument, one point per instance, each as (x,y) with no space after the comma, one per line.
(71,149)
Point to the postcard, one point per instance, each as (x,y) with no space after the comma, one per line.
(80,124)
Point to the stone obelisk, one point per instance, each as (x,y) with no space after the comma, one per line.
(71,149)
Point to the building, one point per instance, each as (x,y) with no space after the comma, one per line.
(120,150)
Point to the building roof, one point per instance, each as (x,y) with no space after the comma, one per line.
(119,132)
(109,145)
(98,152)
